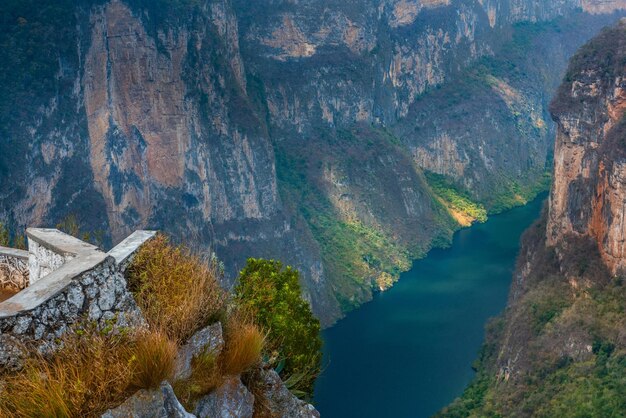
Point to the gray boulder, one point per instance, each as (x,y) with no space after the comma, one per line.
(282,403)
(12,353)
(157,403)
(231,400)
(209,338)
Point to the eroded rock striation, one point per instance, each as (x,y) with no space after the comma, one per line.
(292,130)
(590,169)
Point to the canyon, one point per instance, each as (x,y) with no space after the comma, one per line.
(560,345)
(307,131)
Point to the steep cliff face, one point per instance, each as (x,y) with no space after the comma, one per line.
(292,130)
(588,194)
(560,347)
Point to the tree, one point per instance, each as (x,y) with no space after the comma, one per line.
(272,295)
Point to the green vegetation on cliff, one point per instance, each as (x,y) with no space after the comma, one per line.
(341,201)
(458,202)
(573,361)
(272,295)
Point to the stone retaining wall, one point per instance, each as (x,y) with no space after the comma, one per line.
(88,285)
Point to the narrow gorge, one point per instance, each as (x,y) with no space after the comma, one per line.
(560,347)
(343,138)
(287,208)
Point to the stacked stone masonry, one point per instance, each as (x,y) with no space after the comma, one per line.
(72,282)
(80,283)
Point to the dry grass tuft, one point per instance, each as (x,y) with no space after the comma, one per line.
(244,344)
(153,360)
(88,375)
(91,373)
(177,291)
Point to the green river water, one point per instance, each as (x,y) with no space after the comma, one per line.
(408,353)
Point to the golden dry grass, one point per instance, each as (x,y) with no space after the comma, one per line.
(176,290)
(153,359)
(243,345)
(88,375)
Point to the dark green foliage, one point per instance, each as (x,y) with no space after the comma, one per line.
(72,226)
(272,295)
(4,235)
(544,311)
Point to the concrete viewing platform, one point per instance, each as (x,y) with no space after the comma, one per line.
(59,281)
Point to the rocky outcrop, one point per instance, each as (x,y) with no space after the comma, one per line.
(589,188)
(206,341)
(294,132)
(231,400)
(279,402)
(158,403)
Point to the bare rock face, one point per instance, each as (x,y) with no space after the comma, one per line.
(158,403)
(231,400)
(589,187)
(280,402)
(146,132)
(208,340)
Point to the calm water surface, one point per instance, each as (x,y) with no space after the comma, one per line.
(408,353)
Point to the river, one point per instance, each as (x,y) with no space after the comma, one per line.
(408,353)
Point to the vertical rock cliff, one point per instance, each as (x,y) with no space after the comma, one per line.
(560,347)
(589,177)
(308,131)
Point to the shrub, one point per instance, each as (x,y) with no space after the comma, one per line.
(177,291)
(273,296)
(72,226)
(4,235)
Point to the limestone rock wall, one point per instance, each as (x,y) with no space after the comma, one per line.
(87,285)
(99,295)
(589,191)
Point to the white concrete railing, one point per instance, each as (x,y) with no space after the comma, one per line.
(55,259)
